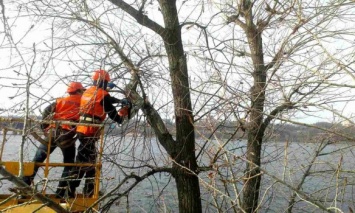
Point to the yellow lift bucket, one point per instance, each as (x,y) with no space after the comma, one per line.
(13,167)
(37,207)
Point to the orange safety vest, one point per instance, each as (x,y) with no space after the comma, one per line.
(67,108)
(91,110)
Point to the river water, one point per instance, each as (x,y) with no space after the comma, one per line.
(330,182)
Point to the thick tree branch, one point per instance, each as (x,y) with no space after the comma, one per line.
(156,122)
(277,110)
(140,17)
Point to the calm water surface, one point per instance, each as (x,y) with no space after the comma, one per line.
(331,180)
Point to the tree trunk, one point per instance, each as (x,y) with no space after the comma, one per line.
(181,151)
(256,127)
(185,165)
(187,187)
(255,139)
(252,173)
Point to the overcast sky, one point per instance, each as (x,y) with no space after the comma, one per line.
(26,33)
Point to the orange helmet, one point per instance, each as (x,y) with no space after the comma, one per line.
(75,86)
(101,75)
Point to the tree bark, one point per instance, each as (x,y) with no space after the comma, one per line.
(185,165)
(256,127)
(182,151)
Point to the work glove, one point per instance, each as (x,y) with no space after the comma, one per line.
(123,112)
(125,102)
(111,85)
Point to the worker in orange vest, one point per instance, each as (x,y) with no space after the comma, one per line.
(95,104)
(63,136)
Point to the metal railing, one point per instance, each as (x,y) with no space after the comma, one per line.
(47,164)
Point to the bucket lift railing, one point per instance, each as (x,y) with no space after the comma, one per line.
(13,166)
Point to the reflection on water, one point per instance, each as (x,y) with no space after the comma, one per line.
(329,182)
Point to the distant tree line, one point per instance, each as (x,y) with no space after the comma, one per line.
(227,129)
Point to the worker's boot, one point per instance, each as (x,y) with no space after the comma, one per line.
(60,193)
(88,190)
(71,191)
(28,180)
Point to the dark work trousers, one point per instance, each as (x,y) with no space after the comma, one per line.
(68,157)
(86,154)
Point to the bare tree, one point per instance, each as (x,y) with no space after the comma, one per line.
(181,149)
(277,43)
(220,71)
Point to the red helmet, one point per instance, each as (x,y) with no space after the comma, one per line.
(101,75)
(75,86)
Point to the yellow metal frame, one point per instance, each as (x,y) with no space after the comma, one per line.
(14,166)
(77,204)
